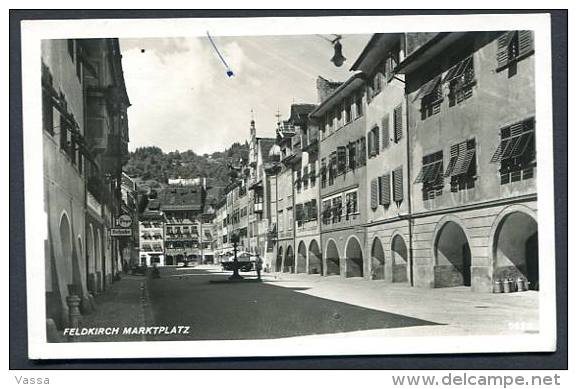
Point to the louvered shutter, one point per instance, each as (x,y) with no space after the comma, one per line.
(398,184)
(398,123)
(371,143)
(385,189)
(503,48)
(374,193)
(385,127)
(342,158)
(525,42)
(363,151)
(376,142)
(313,210)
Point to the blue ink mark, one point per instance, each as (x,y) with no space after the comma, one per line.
(228,70)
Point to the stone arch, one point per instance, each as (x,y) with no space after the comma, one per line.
(399,259)
(90,259)
(289,260)
(315,258)
(377,260)
(279,256)
(515,246)
(302,258)
(452,253)
(332,258)
(66,243)
(354,257)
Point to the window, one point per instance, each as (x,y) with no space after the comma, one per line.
(374,142)
(516,153)
(398,123)
(339,115)
(313,174)
(298,181)
(305,178)
(351,203)
(359,105)
(289,213)
(348,114)
(431,97)
(342,159)
(461,79)
(337,209)
(47,113)
(462,166)
(280,221)
(362,151)
(513,46)
(385,127)
(374,194)
(431,175)
(332,167)
(323,173)
(352,152)
(385,190)
(313,211)
(299,214)
(398,185)
(391,63)
(327,211)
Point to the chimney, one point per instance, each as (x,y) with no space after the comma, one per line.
(325,88)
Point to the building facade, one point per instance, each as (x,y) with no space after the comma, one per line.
(85,135)
(151,236)
(343,157)
(473,168)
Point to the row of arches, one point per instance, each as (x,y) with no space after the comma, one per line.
(514,253)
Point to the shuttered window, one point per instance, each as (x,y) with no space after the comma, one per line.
(385,129)
(341,159)
(374,193)
(398,185)
(516,152)
(513,46)
(431,175)
(462,165)
(385,189)
(374,142)
(398,123)
(313,211)
(352,155)
(461,79)
(362,151)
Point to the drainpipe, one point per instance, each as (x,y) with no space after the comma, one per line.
(409,185)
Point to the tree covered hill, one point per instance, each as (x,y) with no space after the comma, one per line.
(151,167)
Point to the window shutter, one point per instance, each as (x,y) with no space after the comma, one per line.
(525,42)
(341,158)
(363,151)
(371,142)
(385,186)
(385,126)
(374,193)
(313,210)
(398,123)
(376,142)
(503,48)
(398,184)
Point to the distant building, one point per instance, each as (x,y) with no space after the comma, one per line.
(130,246)
(151,235)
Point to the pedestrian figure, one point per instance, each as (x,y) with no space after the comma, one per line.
(258,266)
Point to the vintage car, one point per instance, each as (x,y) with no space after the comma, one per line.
(246,262)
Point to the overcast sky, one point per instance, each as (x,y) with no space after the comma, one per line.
(182,98)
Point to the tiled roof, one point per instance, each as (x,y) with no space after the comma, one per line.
(181,198)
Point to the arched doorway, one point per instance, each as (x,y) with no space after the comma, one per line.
(354,258)
(90,260)
(453,256)
(399,259)
(315,259)
(516,249)
(289,261)
(279,259)
(98,255)
(302,258)
(66,249)
(377,261)
(333,261)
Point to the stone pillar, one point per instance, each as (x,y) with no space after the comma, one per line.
(74,315)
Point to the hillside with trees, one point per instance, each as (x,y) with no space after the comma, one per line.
(151,167)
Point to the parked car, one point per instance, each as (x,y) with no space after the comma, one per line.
(246,262)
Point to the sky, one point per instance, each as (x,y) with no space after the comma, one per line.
(182,98)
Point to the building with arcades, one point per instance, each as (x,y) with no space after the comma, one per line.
(85,136)
(472,165)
